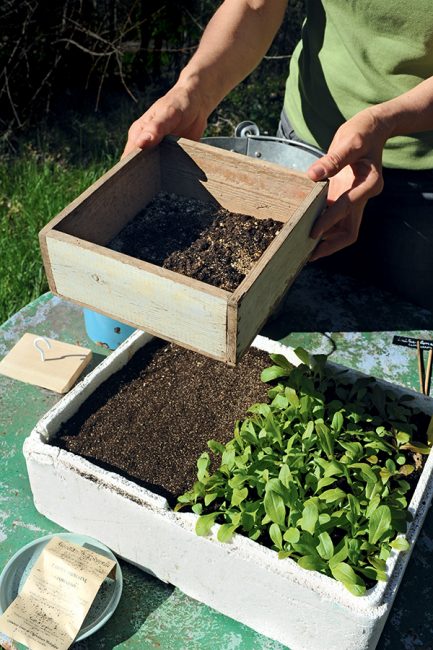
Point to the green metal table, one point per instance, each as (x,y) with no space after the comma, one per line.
(323,313)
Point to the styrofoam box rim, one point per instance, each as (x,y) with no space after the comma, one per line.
(374,602)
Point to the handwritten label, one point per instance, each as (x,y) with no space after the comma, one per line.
(58,593)
(410,342)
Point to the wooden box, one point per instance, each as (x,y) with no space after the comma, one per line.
(198,316)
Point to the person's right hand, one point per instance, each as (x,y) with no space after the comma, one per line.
(353,166)
(180,112)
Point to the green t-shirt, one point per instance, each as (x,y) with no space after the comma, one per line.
(354,54)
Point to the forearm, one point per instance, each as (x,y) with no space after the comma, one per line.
(409,113)
(232,45)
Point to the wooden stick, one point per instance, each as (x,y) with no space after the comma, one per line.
(428,373)
(420,367)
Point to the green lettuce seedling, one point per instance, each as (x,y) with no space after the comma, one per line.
(322,473)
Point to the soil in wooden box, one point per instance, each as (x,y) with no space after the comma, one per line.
(151,420)
(198,239)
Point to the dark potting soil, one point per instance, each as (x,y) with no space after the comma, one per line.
(151,420)
(198,239)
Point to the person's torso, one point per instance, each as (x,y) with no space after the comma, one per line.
(358,53)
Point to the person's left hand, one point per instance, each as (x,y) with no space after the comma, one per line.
(354,166)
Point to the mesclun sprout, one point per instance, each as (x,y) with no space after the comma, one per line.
(321,473)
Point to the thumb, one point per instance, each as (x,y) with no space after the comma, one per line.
(334,161)
(329,165)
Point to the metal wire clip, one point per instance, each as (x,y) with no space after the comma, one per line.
(36,343)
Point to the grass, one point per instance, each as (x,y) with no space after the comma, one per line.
(33,190)
(50,166)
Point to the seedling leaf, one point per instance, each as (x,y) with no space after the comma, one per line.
(303,355)
(204,524)
(274,507)
(310,516)
(325,548)
(272,373)
(333,495)
(310,562)
(292,535)
(276,536)
(239,495)
(345,574)
(225,532)
(400,544)
(380,523)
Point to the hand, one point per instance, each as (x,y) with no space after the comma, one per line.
(354,166)
(179,112)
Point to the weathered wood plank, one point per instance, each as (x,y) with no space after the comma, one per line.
(232,332)
(102,210)
(57,370)
(156,300)
(238,183)
(276,270)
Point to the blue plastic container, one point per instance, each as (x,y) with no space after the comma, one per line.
(105,331)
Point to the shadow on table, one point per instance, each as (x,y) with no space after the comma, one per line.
(95,361)
(323,301)
(142,595)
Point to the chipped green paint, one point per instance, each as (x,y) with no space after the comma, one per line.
(357,326)
(21,406)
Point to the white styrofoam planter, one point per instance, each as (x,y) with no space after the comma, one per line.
(242,579)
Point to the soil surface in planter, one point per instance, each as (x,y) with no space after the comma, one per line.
(198,239)
(151,420)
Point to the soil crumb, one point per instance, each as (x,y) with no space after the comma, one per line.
(198,239)
(151,420)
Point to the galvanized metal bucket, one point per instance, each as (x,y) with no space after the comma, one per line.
(248,141)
